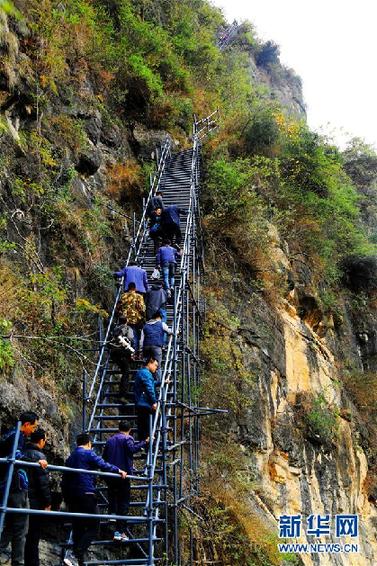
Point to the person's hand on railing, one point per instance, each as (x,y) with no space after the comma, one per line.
(154,406)
(48,508)
(43,464)
(123,474)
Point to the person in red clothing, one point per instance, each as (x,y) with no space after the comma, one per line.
(119,451)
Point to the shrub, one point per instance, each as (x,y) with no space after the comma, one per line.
(320,418)
(268,53)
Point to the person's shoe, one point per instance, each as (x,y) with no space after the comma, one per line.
(117,536)
(114,520)
(70,561)
(168,292)
(124,537)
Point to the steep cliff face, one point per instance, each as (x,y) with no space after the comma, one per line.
(296,371)
(302,442)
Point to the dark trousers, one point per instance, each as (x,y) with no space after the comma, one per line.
(84,531)
(119,494)
(15,528)
(173,232)
(32,541)
(122,360)
(143,422)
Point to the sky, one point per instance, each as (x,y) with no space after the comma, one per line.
(332,45)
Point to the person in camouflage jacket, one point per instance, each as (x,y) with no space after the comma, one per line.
(132,308)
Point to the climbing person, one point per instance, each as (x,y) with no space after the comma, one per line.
(133,274)
(16,524)
(152,339)
(166,258)
(145,396)
(79,493)
(132,308)
(155,232)
(119,451)
(39,494)
(156,300)
(170,223)
(121,349)
(155,202)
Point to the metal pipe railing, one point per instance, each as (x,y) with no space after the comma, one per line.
(138,239)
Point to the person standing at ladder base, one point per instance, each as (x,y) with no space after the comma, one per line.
(16,524)
(145,396)
(153,339)
(39,494)
(166,258)
(79,493)
(119,451)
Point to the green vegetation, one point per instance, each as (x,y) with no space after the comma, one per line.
(294,179)
(95,70)
(320,418)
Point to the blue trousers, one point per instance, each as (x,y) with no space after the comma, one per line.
(168,272)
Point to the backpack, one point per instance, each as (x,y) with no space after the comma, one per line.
(20,481)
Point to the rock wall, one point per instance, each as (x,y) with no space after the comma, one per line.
(297,469)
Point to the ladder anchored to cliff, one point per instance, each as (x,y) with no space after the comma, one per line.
(169,473)
(171,468)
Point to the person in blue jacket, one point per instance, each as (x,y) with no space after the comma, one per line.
(134,274)
(79,492)
(153,339)
(119,450)
(145,396)
(167,258)
(170,222)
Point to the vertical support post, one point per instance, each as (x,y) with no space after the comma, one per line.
(9,477)
(164,470)
(150,494)
(84,398)
(175,495)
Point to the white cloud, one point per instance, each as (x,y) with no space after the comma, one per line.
(331,44)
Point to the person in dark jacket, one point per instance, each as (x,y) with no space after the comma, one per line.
(121,350)
(134,274)
(16,525)
(119,451)
(170,222)
(153,339)
(167,258)
(39,494)
(156,299)
(79,493)
(145,396)
(155,202)
(155,232)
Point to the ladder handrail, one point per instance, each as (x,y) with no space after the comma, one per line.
(135,247)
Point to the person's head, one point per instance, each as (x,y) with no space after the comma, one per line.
(29,422)
(84,441)
(159,194)
(131,287)
(158,211)
(38,438)
(124,426)
(166,242)
(152,364)
(157,315)
(132,263)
